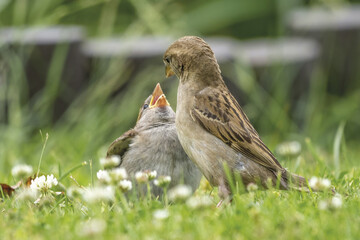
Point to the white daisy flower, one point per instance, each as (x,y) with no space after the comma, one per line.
(199,202)
(99,194)
(91,228)
(51,181)
(319,184)
(141,177)
(252,187)
(289,149)
(336,201)
(22,171)
(104,176)
(125,185)
(151,174)
(110,162)
(323,205)
(162,181)
(43,183)
(180,193)
(161,214)
(118,174)
(27,194)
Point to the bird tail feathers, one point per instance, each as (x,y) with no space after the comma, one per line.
(295,182)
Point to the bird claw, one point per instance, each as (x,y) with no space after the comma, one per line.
(219,204)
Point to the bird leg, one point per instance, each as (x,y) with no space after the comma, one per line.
(224,193)
(219,203)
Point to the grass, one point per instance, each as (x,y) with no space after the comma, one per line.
(255,215)
(100,113)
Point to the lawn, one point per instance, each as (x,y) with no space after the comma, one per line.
(323,142)
(251,215)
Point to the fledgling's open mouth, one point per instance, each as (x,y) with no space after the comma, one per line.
(158,98)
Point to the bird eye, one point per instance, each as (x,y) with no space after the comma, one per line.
(167,59)
(146,106)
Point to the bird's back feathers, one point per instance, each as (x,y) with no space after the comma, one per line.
(121,144)
(226,120)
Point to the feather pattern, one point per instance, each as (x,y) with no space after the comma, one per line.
(121,144)
(219,113)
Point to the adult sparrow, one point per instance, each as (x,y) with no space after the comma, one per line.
(212,128)
(153,144)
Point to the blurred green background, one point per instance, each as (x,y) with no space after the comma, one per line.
(108,102)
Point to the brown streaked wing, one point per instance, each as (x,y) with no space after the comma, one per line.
(121,144)
(6,190)
(217,111)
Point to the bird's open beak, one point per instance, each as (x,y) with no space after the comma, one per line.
(158,98)
(168,71)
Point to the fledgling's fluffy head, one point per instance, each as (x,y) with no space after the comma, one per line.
(190,56)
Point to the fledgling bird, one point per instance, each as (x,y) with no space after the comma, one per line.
(212,128)
(153,144)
